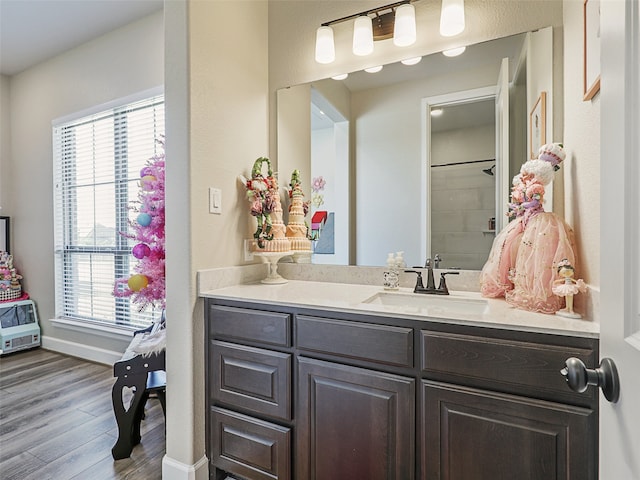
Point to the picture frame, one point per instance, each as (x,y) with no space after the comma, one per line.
(4,234)
(538,125)
(591,49)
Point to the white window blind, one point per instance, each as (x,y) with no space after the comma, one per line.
(97,163)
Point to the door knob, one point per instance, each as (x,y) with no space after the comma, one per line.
(579,377)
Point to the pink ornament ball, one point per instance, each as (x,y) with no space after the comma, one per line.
(141,250)
(144,219)
(147,181)
(137,282)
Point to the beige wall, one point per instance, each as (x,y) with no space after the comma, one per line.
(582,140)
(5,145)
(216,85)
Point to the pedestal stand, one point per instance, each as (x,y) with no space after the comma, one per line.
(272,258)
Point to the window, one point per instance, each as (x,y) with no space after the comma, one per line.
(97,163)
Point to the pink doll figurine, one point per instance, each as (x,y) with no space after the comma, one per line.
(546,240)
(567,287)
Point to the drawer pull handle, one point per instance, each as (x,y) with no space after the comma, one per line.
(579,377)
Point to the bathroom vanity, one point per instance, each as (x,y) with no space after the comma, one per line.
(311,380)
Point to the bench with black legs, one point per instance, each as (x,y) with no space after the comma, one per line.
(146,377)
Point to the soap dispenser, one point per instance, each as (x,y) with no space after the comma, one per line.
(391,275)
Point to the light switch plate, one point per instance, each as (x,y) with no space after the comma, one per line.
(215,200)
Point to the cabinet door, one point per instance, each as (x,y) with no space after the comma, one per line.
(480,435)
(354,423)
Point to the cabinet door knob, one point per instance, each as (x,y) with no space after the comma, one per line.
(579,377)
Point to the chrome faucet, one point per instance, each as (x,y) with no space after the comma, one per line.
(431,284)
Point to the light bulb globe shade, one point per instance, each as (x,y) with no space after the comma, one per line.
(454,52)
(342,76)
(411,61)
(436,112)
(404,28)
(325,47)
(452,18)
(375,69)
(362,36)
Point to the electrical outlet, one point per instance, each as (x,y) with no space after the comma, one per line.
(215,200)
(248,254)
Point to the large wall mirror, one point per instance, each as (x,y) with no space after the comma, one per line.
(416,158)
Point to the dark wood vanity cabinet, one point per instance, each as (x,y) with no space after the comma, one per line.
(312,395)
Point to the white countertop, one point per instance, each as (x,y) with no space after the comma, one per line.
(352,297)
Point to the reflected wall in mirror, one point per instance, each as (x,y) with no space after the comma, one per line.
(370,140)
(462,186)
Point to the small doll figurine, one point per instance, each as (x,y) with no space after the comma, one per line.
(567,287)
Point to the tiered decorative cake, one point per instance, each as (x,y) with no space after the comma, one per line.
(296,228)
(10,287)
(266,207)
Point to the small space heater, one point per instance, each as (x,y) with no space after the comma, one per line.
(19,328)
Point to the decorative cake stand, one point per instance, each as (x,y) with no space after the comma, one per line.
(272,258)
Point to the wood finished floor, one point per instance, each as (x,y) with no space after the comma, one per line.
(56,422)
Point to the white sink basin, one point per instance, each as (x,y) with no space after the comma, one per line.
(427,304)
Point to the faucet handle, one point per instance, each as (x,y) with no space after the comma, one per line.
(443,283)
(419,284)
(427,263)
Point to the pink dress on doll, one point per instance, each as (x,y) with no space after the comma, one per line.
(546,240)
(495,278)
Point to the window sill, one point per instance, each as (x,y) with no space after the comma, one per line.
(108,331)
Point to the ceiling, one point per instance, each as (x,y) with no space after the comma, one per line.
(32,31)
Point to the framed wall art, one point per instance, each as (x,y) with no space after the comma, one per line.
(538,125)
(591,49)
(4,234)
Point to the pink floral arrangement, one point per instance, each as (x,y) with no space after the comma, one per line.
(147,286)
(317,186)
(262,193)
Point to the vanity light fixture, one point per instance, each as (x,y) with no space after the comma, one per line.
(411,61)
(325,48)
(436,112)
(373,69)
(342,76)
(363,36)
(452,18)
(454,52)
(404,27)
(397,20)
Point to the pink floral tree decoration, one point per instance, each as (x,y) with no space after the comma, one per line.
(146,286)
(262,193)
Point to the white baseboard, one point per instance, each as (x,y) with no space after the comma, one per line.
(174,470)
(87,352)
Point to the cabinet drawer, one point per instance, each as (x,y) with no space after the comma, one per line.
(249,447)
(508,365)
(366,341)
(251,378)
(233,323)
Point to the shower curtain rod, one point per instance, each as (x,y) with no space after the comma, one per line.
(463,163)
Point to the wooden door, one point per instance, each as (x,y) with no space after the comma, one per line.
(620,234)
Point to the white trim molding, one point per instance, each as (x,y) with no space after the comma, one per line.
(172,469)
(87,352)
